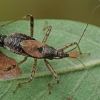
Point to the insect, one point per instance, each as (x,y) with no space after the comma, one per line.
(5,62)
(29,47)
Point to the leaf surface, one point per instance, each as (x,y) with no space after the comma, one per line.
(75,81)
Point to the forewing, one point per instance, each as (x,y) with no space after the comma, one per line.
(32,47)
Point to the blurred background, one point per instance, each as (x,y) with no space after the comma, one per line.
(78,10)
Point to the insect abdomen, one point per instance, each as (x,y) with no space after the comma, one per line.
(12,43)
(2,37)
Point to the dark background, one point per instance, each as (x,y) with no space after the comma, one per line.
(78,10)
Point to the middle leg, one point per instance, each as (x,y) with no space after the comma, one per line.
(13,66)
(53,73)
(31,78)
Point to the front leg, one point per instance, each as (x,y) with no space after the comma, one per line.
(69,45)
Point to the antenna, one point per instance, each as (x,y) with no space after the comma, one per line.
(86,68)
(88,23)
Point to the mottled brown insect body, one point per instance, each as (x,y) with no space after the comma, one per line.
(30,47)
(27,46)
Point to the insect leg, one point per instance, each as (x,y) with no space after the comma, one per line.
(69,45)
(13,66)
(53,73)
(31,34)
(25,58)
(31,23)
(47,34)
(47,63)
(31,78)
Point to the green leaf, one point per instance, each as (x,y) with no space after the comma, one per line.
(74,83)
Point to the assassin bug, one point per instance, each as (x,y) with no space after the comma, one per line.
(29,47)
(5,62)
